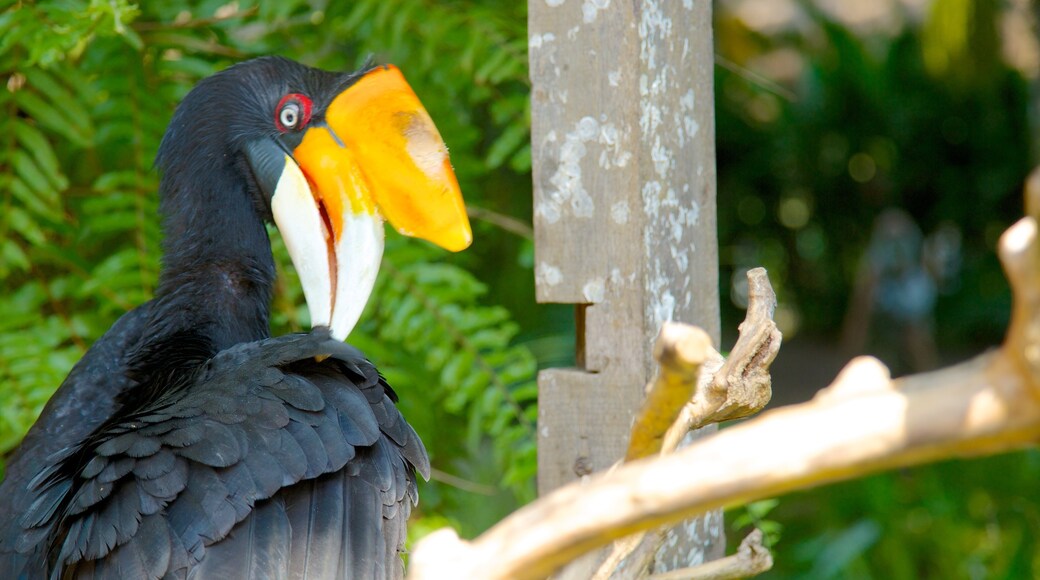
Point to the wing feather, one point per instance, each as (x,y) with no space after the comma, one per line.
(267,461)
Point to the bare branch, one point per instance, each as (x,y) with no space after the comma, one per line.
(736,387)
(188,22)
(742,387)
(744,378)
(864,423)
(680,350)
(1032,194)
(751,559)
(506,222)
(461,483)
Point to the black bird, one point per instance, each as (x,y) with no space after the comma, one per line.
(187,443)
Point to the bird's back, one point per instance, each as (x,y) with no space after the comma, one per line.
(261,463)
(85,400)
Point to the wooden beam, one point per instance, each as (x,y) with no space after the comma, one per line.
(624,186)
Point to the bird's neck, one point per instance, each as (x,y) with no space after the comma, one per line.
(218,271)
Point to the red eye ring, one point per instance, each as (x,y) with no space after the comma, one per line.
(293,112)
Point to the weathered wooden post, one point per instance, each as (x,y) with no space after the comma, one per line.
(624,191)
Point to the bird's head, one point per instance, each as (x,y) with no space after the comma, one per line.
(328,156)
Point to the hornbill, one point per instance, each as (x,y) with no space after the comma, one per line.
(188,443)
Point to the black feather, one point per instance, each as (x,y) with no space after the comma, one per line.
(257,548)
(218,447)
(186,435)
(152,467)
(186,443)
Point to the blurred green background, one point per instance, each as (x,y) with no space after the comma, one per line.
(869,155)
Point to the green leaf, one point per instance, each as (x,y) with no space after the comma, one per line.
(521,160)
(34,203)
(49,117)
(31,175)
(844,547)
(506,144)
(34,141)
(21,222)
(71,109)
(14,258)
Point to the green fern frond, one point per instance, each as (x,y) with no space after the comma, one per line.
(431,310)
(80,239)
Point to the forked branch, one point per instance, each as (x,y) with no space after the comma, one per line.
(751,559)
(863,423)
(736,387)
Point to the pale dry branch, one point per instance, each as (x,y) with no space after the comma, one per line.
(863,424)
(687,363)
(629,557)
(680,350)
(506,222)
(742,387)
(722,389)
(744,377)
(1032,194)
(751,559)
(976,407)
(738,387)
(633,556)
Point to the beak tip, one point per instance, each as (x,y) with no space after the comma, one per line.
(462,245)
(466,242)
(456,239)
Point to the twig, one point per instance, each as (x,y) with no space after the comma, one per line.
(507,223)
(756,79)
(864,423)
(460,483)
(751,559)
(742,387)
(151,25)
(734,388)
(192,44)
(680,350)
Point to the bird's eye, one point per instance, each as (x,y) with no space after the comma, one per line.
(293,112)
(289,115)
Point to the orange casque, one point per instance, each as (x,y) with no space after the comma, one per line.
(402,168)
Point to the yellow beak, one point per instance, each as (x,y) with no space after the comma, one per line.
(378,155)
(391,159)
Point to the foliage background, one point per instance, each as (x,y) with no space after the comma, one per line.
(925,95)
